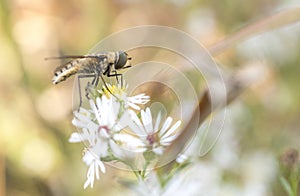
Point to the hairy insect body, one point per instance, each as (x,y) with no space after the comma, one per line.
(97,64)
(92,66)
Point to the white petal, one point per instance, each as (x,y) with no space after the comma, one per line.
(90,175)
(80,118)
(181,158)
(78,123)
(102,166)
(91,171)
(122,153)
(147,120)
(125,121)
(82,115)
(172,129)
(129,142)
(95,110)
(96,169)
(92,127)
(87,183)
(135,119)
(83,111)
(139,99)
(100,149)
(110,112)
(116,150)
(157,122)
(134,106)
(87,158)
(165,126)
(75,137)
(102,110)
(166,141)
(139,131)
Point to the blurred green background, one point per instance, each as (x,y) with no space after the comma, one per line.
(35,116)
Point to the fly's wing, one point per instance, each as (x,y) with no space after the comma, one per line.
(80,64)
(78,61)
(99,55)
(66,57)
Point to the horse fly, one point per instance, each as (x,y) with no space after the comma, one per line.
(92,65)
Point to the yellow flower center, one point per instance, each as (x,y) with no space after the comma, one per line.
(108,90)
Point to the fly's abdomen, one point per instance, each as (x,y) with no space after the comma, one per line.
(65,71)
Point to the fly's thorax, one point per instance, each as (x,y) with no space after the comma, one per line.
(112,57)
(98,63)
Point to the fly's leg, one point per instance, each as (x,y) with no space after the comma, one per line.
(86,88)
(95,83)
(107,86)
(116,74)
(96,80)
(108,71)
(91,85)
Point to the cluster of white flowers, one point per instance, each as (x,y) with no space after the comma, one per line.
(115,128)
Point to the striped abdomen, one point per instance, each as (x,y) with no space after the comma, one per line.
(64,71)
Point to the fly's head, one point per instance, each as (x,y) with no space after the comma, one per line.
(122,61)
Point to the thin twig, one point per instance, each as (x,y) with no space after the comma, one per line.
(238,82)
(274,21)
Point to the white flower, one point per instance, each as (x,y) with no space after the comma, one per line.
(99,125)
(100,128)
(156,138)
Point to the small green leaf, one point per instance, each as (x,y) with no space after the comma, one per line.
(287,187)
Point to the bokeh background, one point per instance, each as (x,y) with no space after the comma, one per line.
(35,116)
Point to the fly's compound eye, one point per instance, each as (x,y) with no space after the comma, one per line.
(122,60)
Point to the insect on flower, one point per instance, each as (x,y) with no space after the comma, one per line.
(92,66)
